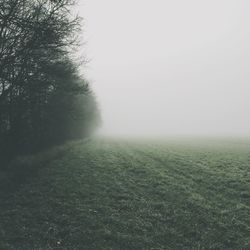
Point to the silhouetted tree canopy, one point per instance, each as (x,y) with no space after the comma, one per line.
(43,98)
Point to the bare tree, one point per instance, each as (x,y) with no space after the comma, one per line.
(36,41)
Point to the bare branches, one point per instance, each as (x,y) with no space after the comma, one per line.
(40,86)
(29,25)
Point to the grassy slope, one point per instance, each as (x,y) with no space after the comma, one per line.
(117,195)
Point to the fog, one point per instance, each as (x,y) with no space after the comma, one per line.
(169,67)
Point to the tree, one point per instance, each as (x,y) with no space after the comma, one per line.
(40,86)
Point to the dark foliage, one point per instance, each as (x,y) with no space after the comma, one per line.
(43,98)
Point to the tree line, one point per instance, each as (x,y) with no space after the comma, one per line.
(44,100)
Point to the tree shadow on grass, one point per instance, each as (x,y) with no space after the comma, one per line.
(18,171)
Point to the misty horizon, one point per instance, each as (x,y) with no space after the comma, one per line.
(124,124)
(162,68)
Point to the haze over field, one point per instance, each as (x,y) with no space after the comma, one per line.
(170,67)
(171,169)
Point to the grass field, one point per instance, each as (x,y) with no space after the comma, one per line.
(107,194)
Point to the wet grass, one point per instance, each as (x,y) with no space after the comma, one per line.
(105,194)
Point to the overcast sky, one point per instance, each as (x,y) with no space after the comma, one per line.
(170,67)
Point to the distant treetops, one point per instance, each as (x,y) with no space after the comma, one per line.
(43,98)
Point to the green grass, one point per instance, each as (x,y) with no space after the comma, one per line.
(104,194)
